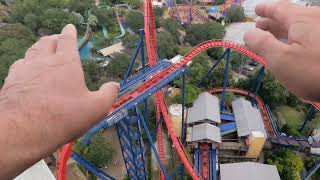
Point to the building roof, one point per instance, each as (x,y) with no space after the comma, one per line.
(248,171)
(38,171)
(116,48)
(206,132)
(205,109)
(247,117)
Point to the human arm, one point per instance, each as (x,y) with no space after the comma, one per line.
(44,103)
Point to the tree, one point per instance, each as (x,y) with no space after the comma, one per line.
(238,60)
(91,74)
(130,41)
(158,11)
(272,92)
(99,152)
(80,6)
(216,79)
(235,14)
(166,45)
(31,21)
(133,3)
(218,2)
(289,164)
(14,41)
(105,16)
(55,19)
(192,93)
(197,33)
(118,66)
(135,21)
(198,69)
(172,26)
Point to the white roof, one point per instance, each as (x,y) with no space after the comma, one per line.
(248,171)
(38,171)
(205,108)
(206,132)
(116,48)
(247,118)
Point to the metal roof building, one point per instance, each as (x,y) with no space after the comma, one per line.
(206,133)
(247,117)
(205,109)
(248,171)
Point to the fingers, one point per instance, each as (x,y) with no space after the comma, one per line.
(273,27)
(68,40)
(284,12)
(105,97)
(266,45)
(46,45)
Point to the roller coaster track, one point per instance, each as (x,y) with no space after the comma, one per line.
(162,75)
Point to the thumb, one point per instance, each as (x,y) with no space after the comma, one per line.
(104,98)
(266,45)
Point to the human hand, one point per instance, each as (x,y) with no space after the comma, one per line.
(47,102)
(295,64)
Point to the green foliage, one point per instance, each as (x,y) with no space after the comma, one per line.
(49,16)
(118,66)
(271,91)
(198,68)
(158,11)
(235,14)
(133,3)
(166,45)
(216,79)
(238,60)
(192,93)
(309,163)
(80,6)
(55,19)
(99,152)
(197,33)
(218,2)
(288,164)
(135,21)
(172,26)
(91,74)
(130,41)
(105,16)
(15,39)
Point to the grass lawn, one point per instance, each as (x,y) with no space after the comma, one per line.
(290,116)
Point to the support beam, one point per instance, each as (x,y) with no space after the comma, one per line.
(183,102)
(96,171)
(212,68)
(146,129)
(225,82)
(309,116)
(258,82)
